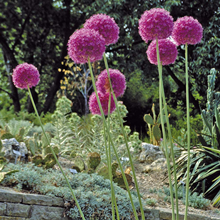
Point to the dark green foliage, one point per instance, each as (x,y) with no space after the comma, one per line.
(204,168)
(92,191)
(204,159)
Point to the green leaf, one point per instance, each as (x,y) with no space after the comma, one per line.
(217,117)
(212,149)
(206,122)
(214,184)
(159,119)
(156,132)
(2,174)
(148,119)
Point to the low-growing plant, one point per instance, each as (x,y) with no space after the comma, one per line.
(151,202)
(92,191)
(196,200)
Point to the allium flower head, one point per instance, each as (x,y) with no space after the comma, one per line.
(117,80)
(84,44)
(167,50)
(25,75)
(155,23)
(105,25)
(187,30)
(104,99)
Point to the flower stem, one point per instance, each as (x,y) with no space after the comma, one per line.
(188,131)
(58,163)
(172,154)
(109,159)
(110,139)
(161,90)
(126,141)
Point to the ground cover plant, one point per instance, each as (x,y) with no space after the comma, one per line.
(93,195)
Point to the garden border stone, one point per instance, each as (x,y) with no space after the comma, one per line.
(23,206)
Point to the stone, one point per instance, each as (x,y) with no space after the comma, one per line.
(122,148)
(150,153)
(47,213)
(157,165)
(2,208)
(17,210)
(37,199)
(12,149)
(12,196)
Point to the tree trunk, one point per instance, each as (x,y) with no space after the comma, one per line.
(10,63)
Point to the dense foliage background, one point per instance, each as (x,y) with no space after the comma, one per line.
(37,32)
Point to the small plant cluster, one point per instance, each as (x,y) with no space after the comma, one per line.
(196,200)
(92,165)
(93,195)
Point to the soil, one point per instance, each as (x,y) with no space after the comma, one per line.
(157,180)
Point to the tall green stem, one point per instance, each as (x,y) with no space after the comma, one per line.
(110,139)
(171,150)
(188,131)
(108,153)
(126,142)
(58,163)
(172,154)
(161,91)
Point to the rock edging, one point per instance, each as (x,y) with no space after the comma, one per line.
(23,206)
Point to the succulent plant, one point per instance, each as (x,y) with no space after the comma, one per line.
(154,126)
(46,161)
(117,176)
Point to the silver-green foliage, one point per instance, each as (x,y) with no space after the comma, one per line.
(93,192)
(82,135)
(196,200)
(13,126)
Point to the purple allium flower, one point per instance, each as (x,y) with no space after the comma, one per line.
(187,30)
(104,99)
(117,80)
(25,75)
(155,23)
(167,50)
(105,25)
(84,44)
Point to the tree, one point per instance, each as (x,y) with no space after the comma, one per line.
(37,32)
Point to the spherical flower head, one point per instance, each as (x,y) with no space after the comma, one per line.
(104,99)
(167,50)
(187,30)
(25,75)
(155,23)
(117,81)
(105,25)
(84,44)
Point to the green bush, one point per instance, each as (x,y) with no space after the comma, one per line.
(82,135)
